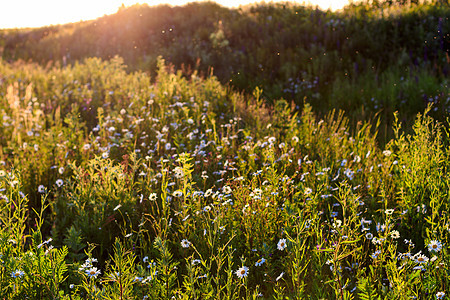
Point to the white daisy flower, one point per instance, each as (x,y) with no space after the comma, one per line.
(242,272)
(420,259)
(185,243)
(17,273)
(281,244)
(260,262)
(435,246)
(93,272)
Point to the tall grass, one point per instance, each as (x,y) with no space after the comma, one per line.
(114,187)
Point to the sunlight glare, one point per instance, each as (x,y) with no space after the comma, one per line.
(32,13)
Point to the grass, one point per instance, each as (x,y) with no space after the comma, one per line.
(114,186)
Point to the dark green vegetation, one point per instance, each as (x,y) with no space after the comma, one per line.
(118,183)
(369,58)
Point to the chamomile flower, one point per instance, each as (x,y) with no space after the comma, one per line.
(389,211)
(242,272)
(435,246)
(153,197)
(92,272)
(395,234)
(281,244)
(440,295)
(226,190)
(375,254)
(41,189)
(177,193)
(185,243)
(420,258)
(260,262)
(17,273)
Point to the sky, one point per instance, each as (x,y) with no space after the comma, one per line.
(37,13)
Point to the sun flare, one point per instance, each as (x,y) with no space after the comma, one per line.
(31,13)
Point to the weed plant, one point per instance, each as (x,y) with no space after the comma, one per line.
(114,186)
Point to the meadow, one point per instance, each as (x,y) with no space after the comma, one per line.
(117,182)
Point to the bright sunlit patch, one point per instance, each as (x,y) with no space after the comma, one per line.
(32,13)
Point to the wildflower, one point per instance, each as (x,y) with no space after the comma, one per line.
(281,244)
(91,260)
(395,234)
(280,276)
(147,279)
(208,193)
(177,193)
(227,190)
(196,262)
(349,173)
(435,246)
(93,272)
(179,173)
(380,227)
(440,295)
(369,236)
(86,147)
(17,273)
(185,243)
(375,254)
(389,211)
(152,197)
(387,153)
(421,259)
(260,262)
(59,182)
(337,223)
(330,263)
(71,286)
(86,265)
(41,189)
(45,242)
(308,191)
(242,272)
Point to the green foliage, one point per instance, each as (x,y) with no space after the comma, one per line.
(366,291)
(184,188)
(332,60)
